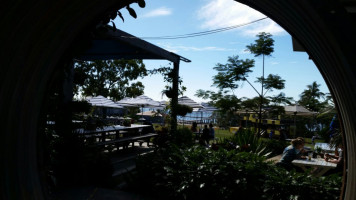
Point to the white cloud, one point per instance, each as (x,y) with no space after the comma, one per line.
(274,63)
(223,13)
(162,11)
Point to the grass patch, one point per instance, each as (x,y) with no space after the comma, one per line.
(221,134)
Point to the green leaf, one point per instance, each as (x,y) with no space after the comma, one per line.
(131,11)
(141,3)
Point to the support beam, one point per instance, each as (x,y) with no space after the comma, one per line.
(174,102)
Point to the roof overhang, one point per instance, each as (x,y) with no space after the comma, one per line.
(117,44)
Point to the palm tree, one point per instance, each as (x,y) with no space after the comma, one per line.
(313,91)
(310,97)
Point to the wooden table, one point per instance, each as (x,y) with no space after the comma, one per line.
(119,135)
(319,166)
(107,129)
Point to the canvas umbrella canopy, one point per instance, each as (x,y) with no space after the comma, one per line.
(297,110)
(184,100)
(139,101)
(206,108)
(163,104)
(100,101)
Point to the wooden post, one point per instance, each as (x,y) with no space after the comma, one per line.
(64,115)
(174,101)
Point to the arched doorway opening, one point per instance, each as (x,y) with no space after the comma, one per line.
(324,30)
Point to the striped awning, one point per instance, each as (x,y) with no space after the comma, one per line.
(100,101)
(184,100)
(140,101)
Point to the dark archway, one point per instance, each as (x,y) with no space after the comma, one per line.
(37,36)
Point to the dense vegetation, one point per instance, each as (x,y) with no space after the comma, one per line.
(235,168)
(200,173)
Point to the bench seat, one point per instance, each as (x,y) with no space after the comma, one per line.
(127,139)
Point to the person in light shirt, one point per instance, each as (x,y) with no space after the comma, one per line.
(337,158)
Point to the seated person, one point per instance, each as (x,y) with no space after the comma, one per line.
(337,159)
(211,131)
(205,137)
(194,127)
(302,151)
(290,153)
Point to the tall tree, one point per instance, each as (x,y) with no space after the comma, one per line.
(232,72)
(263,46)
(311,98)
(112,78)
(236,70)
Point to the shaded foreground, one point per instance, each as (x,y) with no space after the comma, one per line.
(178,171)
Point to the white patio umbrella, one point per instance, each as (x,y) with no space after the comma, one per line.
(297,110)
(162,105)
(100,101)
(140,101)
(206,108)
(184,100)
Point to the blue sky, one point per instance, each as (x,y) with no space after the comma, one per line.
(176,17)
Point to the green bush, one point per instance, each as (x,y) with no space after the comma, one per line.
(276,147)
(246,141)
(200,173)
(183,137)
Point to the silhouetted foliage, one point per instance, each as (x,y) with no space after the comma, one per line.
(263,45)
(310,98)
(200,173)
(109,78)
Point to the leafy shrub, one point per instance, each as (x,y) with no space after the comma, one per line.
(246,141)
(200,173)
(281,184)
(276,147)
(183,137)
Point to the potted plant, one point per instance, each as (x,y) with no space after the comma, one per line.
(318,151)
